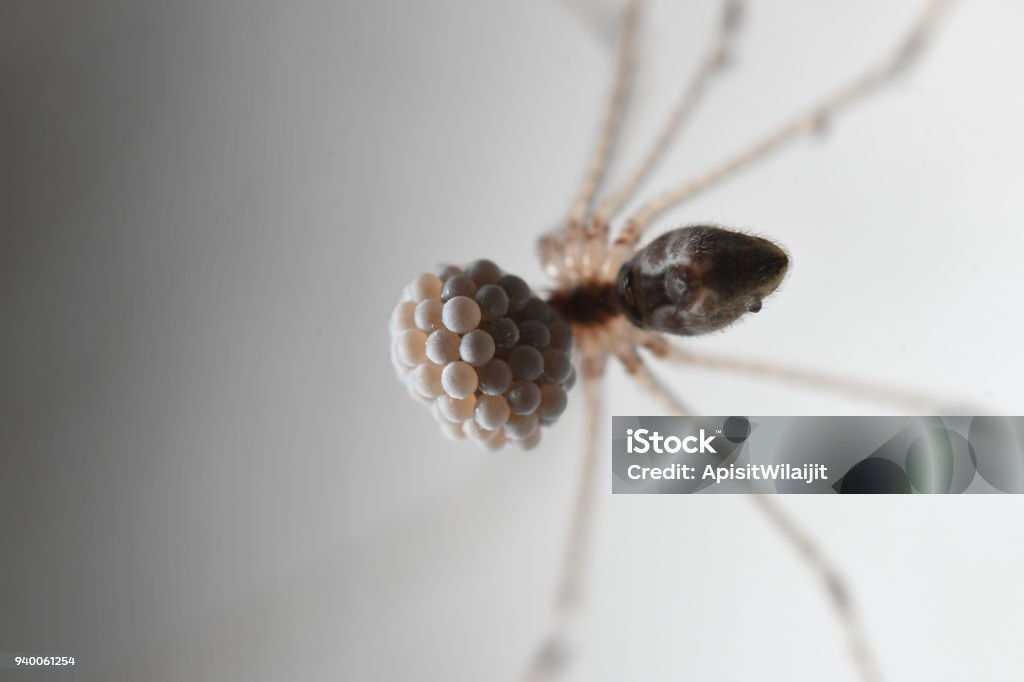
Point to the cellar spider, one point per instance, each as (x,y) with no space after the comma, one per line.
(621,299)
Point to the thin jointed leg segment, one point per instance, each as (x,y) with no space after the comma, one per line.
(839,596)
(551,658)
(808,121)
(642,375)
(621,86)
(799,541)
(769,370)
(711,64)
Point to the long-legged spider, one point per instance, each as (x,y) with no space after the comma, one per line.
(621,299)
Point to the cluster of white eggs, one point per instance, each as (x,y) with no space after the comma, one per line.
(490,359)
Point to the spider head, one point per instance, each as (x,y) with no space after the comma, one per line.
(699,279)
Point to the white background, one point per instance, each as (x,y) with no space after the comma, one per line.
(211,472)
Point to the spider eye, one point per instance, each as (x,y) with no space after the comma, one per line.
(755,306)
(627,293)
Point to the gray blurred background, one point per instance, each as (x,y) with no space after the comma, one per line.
(207,210)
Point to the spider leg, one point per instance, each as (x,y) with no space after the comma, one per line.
(798,540)
(552,656)
(809,121)
(571,580)
(711,64)
(621,86)
(562,252)
(640,373)
(661,348)
(839,595)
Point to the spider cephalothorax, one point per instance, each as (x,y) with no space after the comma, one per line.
(696,280)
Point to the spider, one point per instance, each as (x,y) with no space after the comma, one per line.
(492,359)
